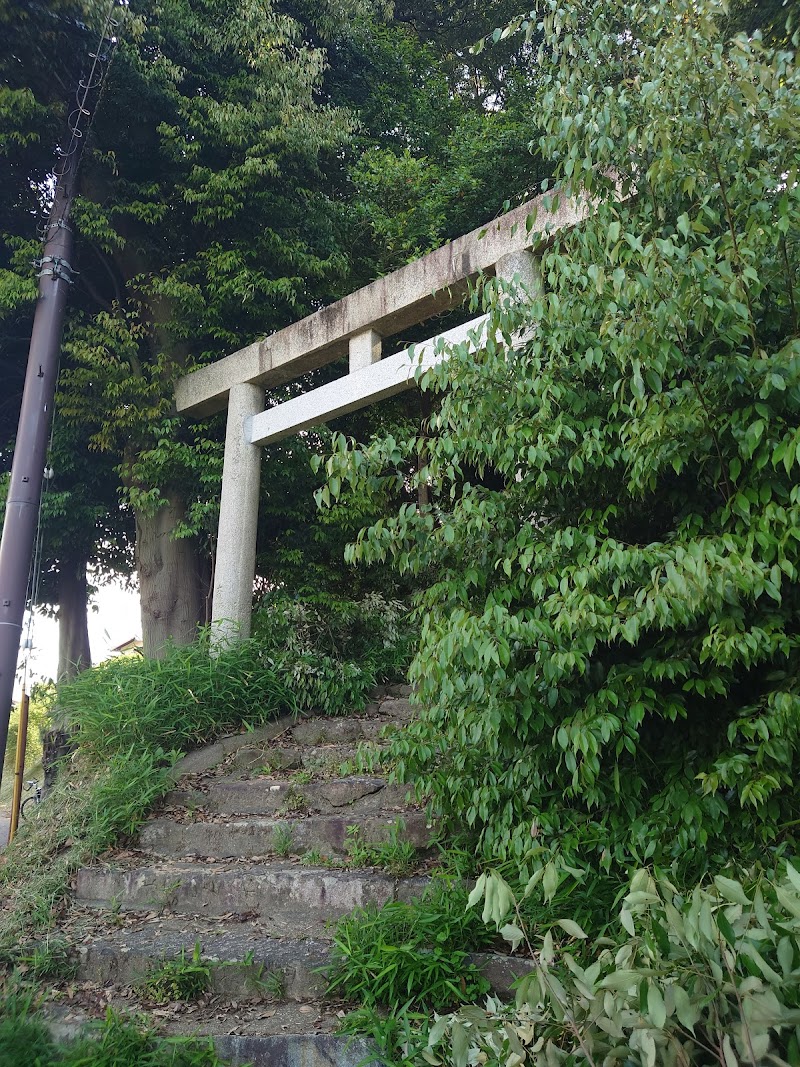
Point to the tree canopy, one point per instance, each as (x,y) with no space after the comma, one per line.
(245,165)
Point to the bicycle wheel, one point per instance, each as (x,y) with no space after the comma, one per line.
(27,807)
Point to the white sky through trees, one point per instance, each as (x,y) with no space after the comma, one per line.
(114,617)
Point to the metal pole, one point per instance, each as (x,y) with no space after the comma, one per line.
(19,764)
(25,488)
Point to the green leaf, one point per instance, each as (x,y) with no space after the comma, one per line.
(655,1006)
(571,927)
(460,1044)
(732,890)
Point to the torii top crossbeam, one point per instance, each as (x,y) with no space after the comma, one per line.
(355,325)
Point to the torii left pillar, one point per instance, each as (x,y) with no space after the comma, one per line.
(235,565)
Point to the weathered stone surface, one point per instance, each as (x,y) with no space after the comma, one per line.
(235,562)
(378,381)
(324,731)
(501,971)
(204,759)
(280,759)
(360,795)
(126,956)
(321,759)
(289,900)
(293,1021)
(343,791)
(295,1050)
(398,708)
(252,748)
(389,305)
(399,689)
(250,838)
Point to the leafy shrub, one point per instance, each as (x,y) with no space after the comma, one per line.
(609,660)
(711,976)
(332,652)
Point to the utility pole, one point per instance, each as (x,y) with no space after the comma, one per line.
(27,470)
(36,413)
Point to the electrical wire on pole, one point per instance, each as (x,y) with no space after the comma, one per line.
(27,470)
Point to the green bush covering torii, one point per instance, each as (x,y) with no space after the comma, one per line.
(609,658)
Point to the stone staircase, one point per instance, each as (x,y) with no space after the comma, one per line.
(252,858)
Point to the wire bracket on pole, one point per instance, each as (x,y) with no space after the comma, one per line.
(59,269)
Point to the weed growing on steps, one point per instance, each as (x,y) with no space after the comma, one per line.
(282,841)
(184,978)
(268,984)
(410,955)
(294,803)
(114,1042)
(400,1038)
(49,960)
(393,856)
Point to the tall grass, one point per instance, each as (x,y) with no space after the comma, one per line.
(115,1042)
(325,655)
(184,699)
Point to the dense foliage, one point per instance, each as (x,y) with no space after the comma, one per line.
(246,164)
(609,658)
(706,977)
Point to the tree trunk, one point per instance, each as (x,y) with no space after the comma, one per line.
(170,579)
(58,744)
(74,654)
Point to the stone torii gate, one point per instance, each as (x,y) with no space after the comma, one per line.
(508,247)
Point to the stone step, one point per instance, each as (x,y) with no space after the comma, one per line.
(254,745)
(352,796)
(242,958)
(295,1050)
(245,964)
(324,731)
(259,837)
(369,725)
(282,1035)
(323,761)
(287,898)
